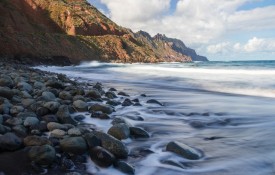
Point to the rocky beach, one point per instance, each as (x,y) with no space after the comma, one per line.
(41,132)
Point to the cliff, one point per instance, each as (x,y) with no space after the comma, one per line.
(71,31)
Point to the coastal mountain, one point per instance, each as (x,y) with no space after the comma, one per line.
(71,31)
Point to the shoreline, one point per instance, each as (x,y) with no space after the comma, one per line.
(38,123)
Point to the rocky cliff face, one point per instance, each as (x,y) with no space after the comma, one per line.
(70,31)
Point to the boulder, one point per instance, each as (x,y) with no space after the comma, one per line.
(120,131)
(124,167)
(110,95)
(52,106)
(31,121)
(101,156)
(53,125)
(127,102)
(58,133)
(64,95)
(74,132)
(74,145)
(42,155)
(138,132)
(113,102)
(6,92)
(183,150)
(80,105)
(63,115)
(113,145)
(48,96)
(36,141)
(10,142)
(100,115)
(94,93)
(118,120)
(123,94)
(101,107)
(49,118)
(155,102)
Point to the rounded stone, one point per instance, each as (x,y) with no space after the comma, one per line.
(53,125)
(74,132)
(10,142)
(58,133)
(183,150)
(43,155)
(31,121)
(36,141)
(120,131)
(138,132)
(80,105)
(74,145)
(101,156)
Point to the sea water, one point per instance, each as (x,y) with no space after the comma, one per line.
(224,109)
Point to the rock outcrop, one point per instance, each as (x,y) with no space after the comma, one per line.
(71,31)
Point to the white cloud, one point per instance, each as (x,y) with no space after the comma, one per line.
(251,46)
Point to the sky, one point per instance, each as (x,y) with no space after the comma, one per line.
(222,30)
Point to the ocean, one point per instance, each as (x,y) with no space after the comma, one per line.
(224,109)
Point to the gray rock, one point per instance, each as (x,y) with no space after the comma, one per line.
(120,131)
(27,102)
(118,120)
(6,81)
(20,130)
(100,115)
(123,94)
(24,115)
(63,115)
(64,95)
(53,125)
(112,89)
(24,86)
(14,121)
(54,84)
(101,107)
(113,145)
(42,155)
(25,94)
(1,119)
(92,140)
(155,102)
(113,102)
(183,150)
(6,92)
(41,111)
(48,96)
(36,141)
(58,133)
(79,97)
(101,156)
(94,93)
(4,129)
(52,106)
(80,105)
(16,109)
(138,132)
(49,118)
(124,167)
(38,85)
(5,108)
(74,132)
(74,145)
(127,102)
(31,121)
(110,95)
(10,142)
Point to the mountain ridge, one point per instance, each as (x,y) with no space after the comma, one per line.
(71,31)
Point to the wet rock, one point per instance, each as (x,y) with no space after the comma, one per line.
(197,124)
(74,145)
(16,109)
(127,102)
(41,126)
(20,130)
(5,108)
(100,115)
(123,94)
(25,94)
(101,156)
(36,141)
(94,93)
(138,132)
(49,118)
(54,84)
(24,86)
(67,164)
(14,121)
(113,145)
(4,129)
(1,119)
(136,100)
(137,104)
(41,111)
(110,95)
(92,140)
(80,105)
(113,102)
(183,150)
(48,96)
(53,125)
(101,107)
(79,97)
(52,106)
(79,117)
(155,102)
(143,95)
(118,120)
(42,155)
(10,142)
(6,92)
(31,121)
(27,102)
(38,85)
(74,132)
(6,81)
(124,167)
(120,131)
(63,115)
(64,95)
(58,133)
(24,115)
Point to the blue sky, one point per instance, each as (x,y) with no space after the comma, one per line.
(218,29)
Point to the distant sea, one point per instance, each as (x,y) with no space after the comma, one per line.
(224,109)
